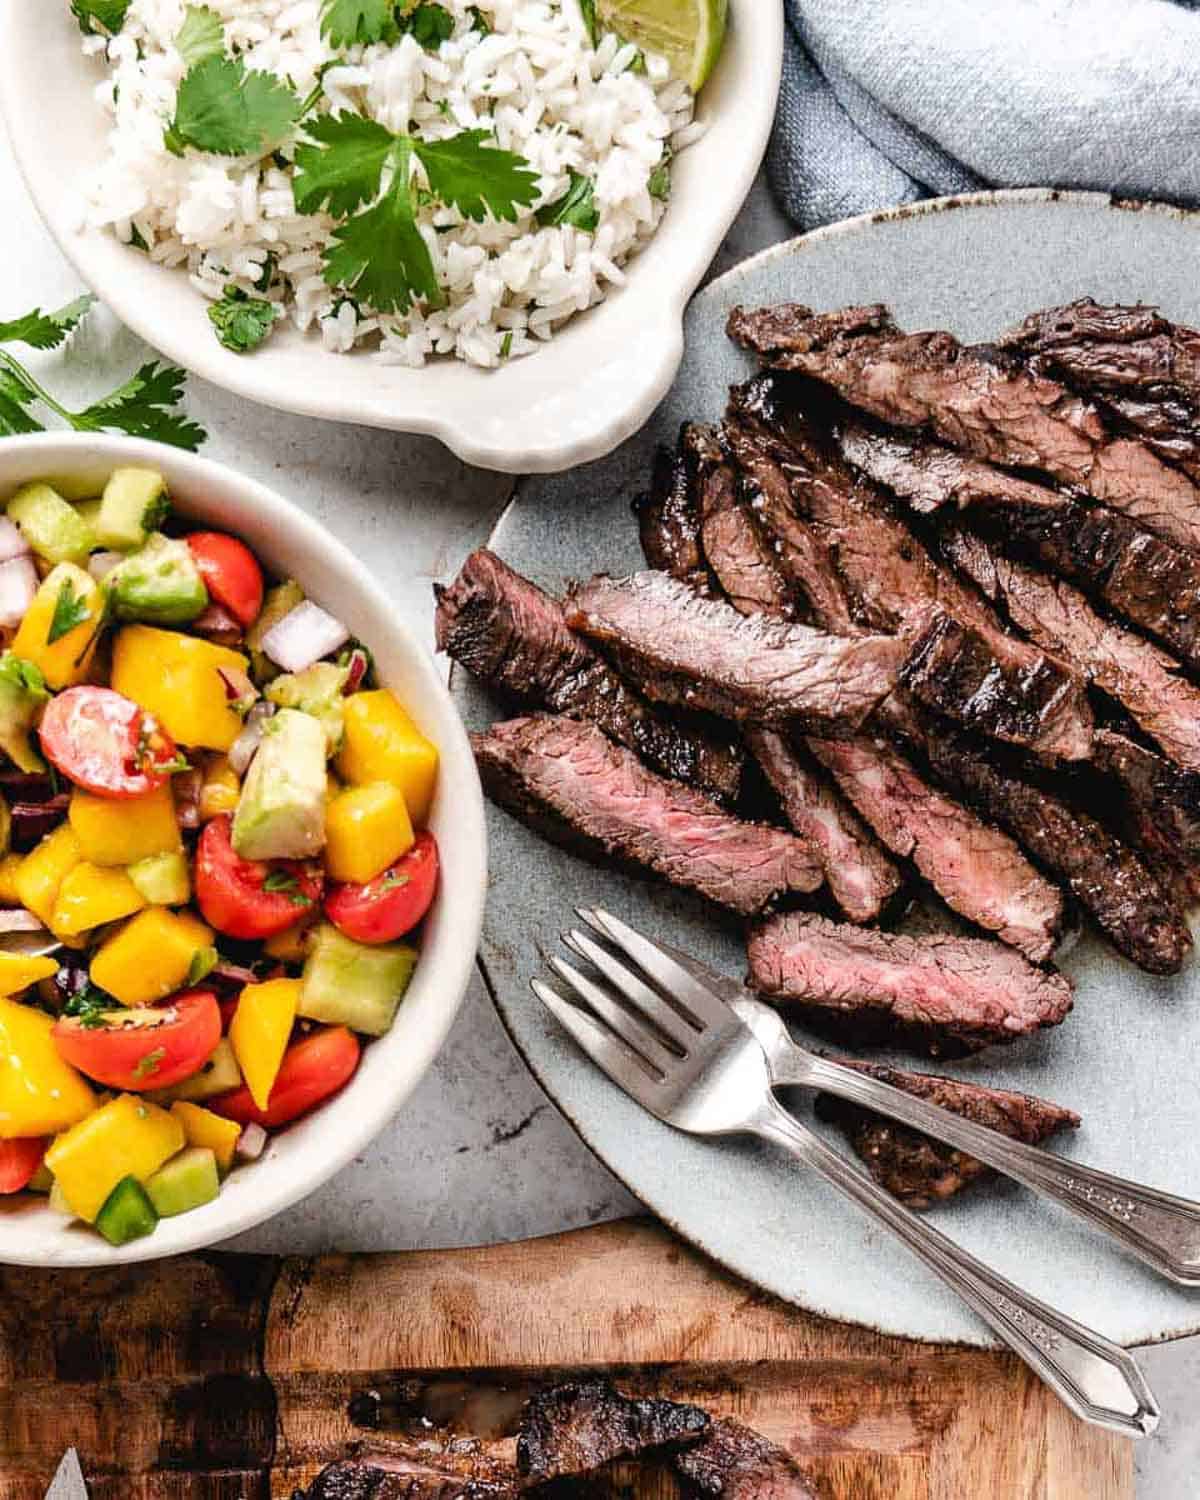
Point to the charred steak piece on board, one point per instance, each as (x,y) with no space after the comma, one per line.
(917,1169)
(735,1463)
(414,1474)
(702,654)
(668,514)
(981,400)
(578,1427)
(506,631)
(575,786)
(936,993)
(1117,562)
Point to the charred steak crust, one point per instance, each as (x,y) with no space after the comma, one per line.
(936,993)
(735,1463)
(414,1474)
(668,514)
(697,653)
(915,1168)
(506,631)
(581,1426)
(1159,808)
(578,788)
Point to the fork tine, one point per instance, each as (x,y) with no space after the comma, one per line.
(626,1069)
(697,1001)
(633,1032)
(627,984)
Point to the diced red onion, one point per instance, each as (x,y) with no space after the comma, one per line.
(32,821)
(18,585)
(12,543)
(101,564)
(217,624)
(356,670)
(304,636)
(237,684)
(252,1142)
(17,919)
(186,790)
(245,747)
(235,973)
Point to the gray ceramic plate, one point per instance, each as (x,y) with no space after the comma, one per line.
(1127,1057)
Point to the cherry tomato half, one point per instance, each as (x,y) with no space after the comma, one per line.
(19,1160)
(144,1047)
(311,1071)
(230,572)
(393,903)
(105,743)
(244,898)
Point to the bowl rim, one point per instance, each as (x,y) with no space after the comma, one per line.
(643,343)
(441,979)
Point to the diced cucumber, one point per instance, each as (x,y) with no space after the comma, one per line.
(133,505)
(127,1213)
(280,601)
(218,1075)
(162,879)
(88,512)
(186,1181)
(42,1180)
(350,984)
(54,529)
(58,1201)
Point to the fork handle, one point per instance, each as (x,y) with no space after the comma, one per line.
(1097,1379)
(1161,1229)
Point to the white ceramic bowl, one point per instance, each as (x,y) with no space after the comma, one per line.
(575,399)
(310,1152)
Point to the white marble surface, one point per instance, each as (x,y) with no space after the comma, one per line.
(478,1154)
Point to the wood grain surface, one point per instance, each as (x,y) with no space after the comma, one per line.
(224,1377)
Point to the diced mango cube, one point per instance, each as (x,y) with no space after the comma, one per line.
(383,744)
(260,1030)
(90,895)
(43,870)
(72,594)
(219,789)
(127,1137)
(112,832)
(19,970)
(39,1092)
(367,828)
(176,677)
(203,1128)
(150,957)
(9,866)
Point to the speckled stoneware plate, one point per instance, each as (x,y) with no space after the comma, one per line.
(1126,1058)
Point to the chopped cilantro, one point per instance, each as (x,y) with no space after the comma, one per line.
(147,1066)
(225,108)
(506,345)
(202,35)
(285,883)
(137,239)
(587,10)
(70,609)
(267,275)
(430,25)
(91,1007)
(345,22)
(658,184)
(99,17)
(443,108)
(392,880)
(576,206)
(241,322)
(479,22)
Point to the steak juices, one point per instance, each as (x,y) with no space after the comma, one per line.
(220,818)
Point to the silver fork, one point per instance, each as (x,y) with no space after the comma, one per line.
(696,1065)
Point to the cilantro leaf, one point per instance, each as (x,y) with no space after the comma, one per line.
(344,169)
(285,883)
(70,609)
(202,35)
(658,184)
(149,1064)
(224,108)
(477,178)
(344,22)
(46,330)
(142,408)
(479,22)
(15,397)
(576,206)
(587,10)
(430,25)
(99,17)
(241,321)
(380,254)
(91,1006)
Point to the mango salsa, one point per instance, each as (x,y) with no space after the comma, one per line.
(67,659)
(127,1137)
(112,832)
(175,677)
(260,1030)
(90,895)
(151,957)
(39,1092)
(383,744)
(43,870)
(367,828)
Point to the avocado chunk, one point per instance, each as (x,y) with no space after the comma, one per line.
(217,1076)
(186,1181)
(281,809)
(22,694)
(280,601)
(316,691)
(162,879)
(127,1213)
(54,529)
(159,584)
(352,984)
(134,504)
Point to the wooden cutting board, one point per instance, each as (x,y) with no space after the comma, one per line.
(225,1377)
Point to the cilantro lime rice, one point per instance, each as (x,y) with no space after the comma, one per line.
(422,178)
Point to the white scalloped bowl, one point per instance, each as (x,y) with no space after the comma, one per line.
(300,1159)
(573,400)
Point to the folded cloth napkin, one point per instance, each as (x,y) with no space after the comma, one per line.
(888,101)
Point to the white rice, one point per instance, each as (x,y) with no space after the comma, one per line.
(535,82)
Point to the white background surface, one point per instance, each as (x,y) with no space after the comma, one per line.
(478,1154)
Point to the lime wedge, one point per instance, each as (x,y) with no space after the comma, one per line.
(688,33)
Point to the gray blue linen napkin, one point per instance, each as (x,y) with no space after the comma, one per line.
(888,101)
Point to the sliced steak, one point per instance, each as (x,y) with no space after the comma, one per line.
(414,1474)
(702,654)
(976,869)
(746,569)
(1159,808)
(1124,897)
(917,1169)
(860,876)
(1120,564)
(981,400)
(735,1463)
(575,786)
(937,993)
(504,630)
(1138,675)
(578,1427)
(669,514)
